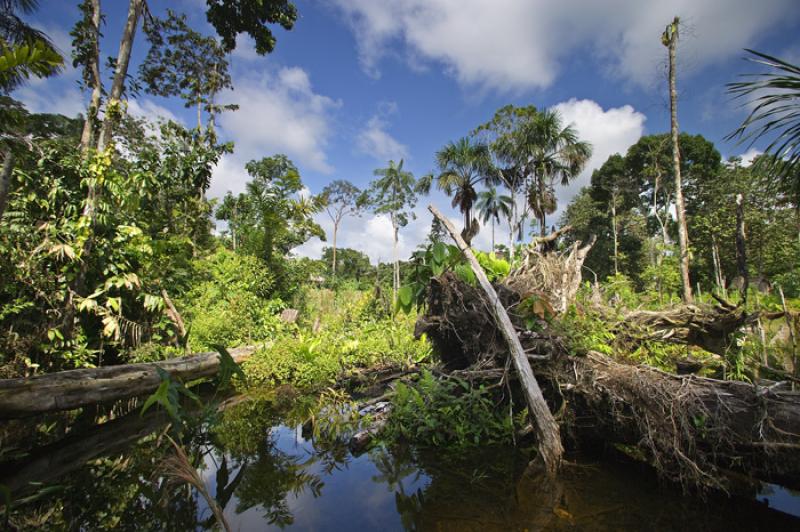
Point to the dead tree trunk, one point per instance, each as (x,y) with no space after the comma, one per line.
(542,419)
(67,390)
(670,40)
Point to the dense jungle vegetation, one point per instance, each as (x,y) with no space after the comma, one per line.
(112,253)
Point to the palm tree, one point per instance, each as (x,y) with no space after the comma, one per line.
(491,204)
(392,193)
(24,50)
(775,114)
(546,151)
(463,165)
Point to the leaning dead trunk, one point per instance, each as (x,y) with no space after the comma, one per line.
(67,390)
(542,419)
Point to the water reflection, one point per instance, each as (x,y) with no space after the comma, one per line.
(266,472)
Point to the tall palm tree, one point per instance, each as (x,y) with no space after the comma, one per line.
(393,193)
(547,152)
(463,165)
(491,204)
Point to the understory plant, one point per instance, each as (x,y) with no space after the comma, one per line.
(448,412)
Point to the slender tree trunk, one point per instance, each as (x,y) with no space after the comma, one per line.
(5,179)
(741,248)
(670,40)
(199,116)
(492,235)
(89,126)
(333,263)
(396,273)
(715,262)
(123,59)
(614,229)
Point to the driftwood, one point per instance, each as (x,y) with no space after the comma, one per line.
(545,426)
(67,390)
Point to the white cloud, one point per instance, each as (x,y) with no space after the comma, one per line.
(375,141)
(517,44)
(38,99)
(609,132)
(279,112)
(749,156)
(150,111)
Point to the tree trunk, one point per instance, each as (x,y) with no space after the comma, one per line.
(89,126)
(741,248)
(67,390)
(5,179)
(121,72)
(542,419)
(333,262)
(670,40)
(396,259)
(614,228)
(492,235)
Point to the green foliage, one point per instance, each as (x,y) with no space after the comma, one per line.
(22,61)
(446,413)
(619,288)
(428,263)
(182,62)
(350,336)
(168,396)
(585,331)
(231,302)
(232,17)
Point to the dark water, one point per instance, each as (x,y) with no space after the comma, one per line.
(267,474)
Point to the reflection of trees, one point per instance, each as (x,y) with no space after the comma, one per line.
(480,488)
(270,479)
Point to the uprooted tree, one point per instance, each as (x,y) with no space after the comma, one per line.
(692,429)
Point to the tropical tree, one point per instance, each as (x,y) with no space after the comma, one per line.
(491,205)
(341,199)
(775,100)
(500,132)
(463,165)
(543,151)
(616,189)
(282,216)
(24,50)
(183,62)
(394,193)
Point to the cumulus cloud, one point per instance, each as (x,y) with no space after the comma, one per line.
(150,111)
(517,44)
(749,156)
(609,131)
(375,141)
(46,99)
(278,113)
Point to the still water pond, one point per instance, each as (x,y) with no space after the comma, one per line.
(267,473)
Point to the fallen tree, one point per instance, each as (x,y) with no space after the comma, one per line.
(692,429)
(67,390)
(545,426)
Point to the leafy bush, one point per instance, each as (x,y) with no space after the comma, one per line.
(447,412)
(350,335)
(231,306)
(585,331)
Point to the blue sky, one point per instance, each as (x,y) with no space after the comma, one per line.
(358,82)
